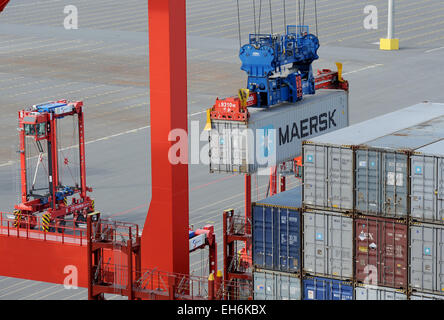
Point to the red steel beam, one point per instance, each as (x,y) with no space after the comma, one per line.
(3,4)
(165,235)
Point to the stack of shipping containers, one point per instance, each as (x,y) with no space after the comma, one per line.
(371,199)
(277,246)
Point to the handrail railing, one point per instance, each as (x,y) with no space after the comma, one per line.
(32,228)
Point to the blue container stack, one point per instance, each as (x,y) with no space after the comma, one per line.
(277,241)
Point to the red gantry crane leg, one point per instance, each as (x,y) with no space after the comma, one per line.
(3,4)
(165,235)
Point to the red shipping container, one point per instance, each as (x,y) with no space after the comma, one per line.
(381,252)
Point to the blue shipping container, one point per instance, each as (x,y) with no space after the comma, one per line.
(276,232)
(316,288)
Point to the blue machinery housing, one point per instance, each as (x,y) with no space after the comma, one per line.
(279,67)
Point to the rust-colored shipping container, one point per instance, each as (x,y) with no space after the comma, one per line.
(381,249)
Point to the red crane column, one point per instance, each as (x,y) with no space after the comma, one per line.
(3,4)
(165,235)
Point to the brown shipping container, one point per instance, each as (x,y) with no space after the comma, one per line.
(381,249)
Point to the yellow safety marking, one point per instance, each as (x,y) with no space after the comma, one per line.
(46,220)
(65,201)
(243,96)
(339,66)
(92,205)
(208,124)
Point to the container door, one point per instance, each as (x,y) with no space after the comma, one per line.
(440,260)
(315,175)
(422,258)
(264,286)
(423,185)
(316,289)
(228,147)
(263,237)
(395,192)
(341,291)
(394,250)
(340,246)
(340,178)
(364,293)
(315,243)
(289,242)
(367,251)
(288,288)
(368,182)
(440,190)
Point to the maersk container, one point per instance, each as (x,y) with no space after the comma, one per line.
(329,160)
(369,292)
(276,232)
(425,296)
(381,252)
(327,244)
(427,257)
(316,288)
(427,183)
(383,168)
(271,285)
(275,135)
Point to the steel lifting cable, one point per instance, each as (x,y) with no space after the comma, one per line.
(285,16)
(271,17)
(260,16)
(299,12)
(316,17)
(238,24)
(303,13)
(254,16)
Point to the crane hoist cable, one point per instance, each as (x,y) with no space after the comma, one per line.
(316,17)
(299,12)
(285,15)
(260,16)
(303,13)
(254,16)
(271,17)
(238,24)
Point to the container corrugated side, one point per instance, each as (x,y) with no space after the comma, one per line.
(327,244)
(427,183)
(277,132)
(328,176)
(277,232)
(383,169)
(271,285)
(381,252)
(427,258)
(425,296)
(368,292)
(317,288)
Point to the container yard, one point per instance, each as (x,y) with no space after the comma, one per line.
(243,152)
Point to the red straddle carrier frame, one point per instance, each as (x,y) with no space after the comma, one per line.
(40,123)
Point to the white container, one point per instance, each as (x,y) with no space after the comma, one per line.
(369,292)
(427,183)
(274,135)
